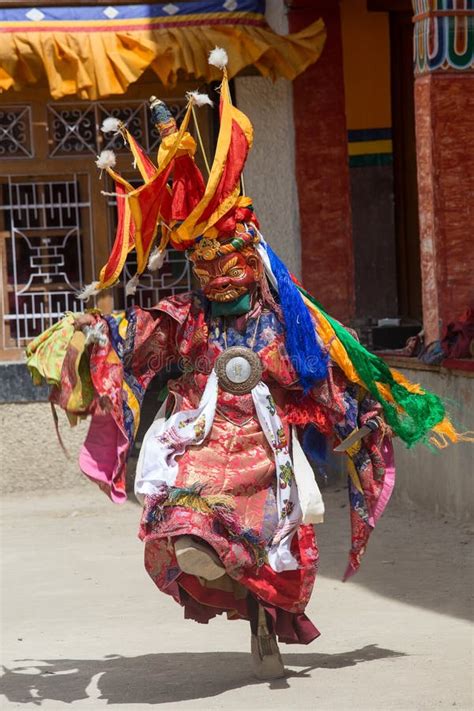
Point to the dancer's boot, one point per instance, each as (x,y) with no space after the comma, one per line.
(267,662)
(197,558)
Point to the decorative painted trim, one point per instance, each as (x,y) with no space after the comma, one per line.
(443,36)
(370,160)
(369,134)
(370,147)
(33,16)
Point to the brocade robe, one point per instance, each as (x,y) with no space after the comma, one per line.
(225,489)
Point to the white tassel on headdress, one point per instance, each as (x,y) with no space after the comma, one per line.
(131,285)
(156,259)
(96,334)
(89,290)
(115,195)
(110,125)
(107,159)
(199,99)
(218,58)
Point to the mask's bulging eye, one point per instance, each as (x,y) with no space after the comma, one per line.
(235,273)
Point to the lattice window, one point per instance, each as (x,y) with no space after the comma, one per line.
(173,278)
(74,129)
(54,230)
(16,140)
(43,240)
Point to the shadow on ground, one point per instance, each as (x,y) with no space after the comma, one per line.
(411,557)
(160,678)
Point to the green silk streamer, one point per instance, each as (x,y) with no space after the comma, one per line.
(420,411)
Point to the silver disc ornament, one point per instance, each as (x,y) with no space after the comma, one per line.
(239,370)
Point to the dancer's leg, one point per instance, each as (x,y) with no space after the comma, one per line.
(267,662)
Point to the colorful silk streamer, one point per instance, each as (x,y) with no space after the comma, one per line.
(307,356)
(413,412)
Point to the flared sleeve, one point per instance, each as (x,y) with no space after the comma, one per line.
(328,414)
(105,379)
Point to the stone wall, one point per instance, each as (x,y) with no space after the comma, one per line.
(441,481)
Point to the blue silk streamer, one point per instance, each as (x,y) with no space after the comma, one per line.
(306,354)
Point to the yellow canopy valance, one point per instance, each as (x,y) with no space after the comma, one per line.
(93,52)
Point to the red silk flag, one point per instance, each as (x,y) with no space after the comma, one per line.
(124,239)
(140,210)
(223,186)
(146,205)
(142,162)
(125,232)
(153,202)
(188,188)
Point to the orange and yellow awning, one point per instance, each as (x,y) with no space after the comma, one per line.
(93,52)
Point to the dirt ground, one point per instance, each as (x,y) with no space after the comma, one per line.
(83,626)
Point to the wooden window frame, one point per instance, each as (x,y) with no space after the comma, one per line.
(43,165)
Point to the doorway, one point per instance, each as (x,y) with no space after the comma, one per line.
(407,238)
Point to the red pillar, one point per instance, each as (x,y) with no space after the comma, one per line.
(322,169)
(444,111)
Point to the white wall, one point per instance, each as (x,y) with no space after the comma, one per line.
(270,172)
(30,455)
(441,481)
(438,481)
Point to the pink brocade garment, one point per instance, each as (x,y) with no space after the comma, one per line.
(225,495)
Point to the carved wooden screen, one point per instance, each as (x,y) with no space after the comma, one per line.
(56,228)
